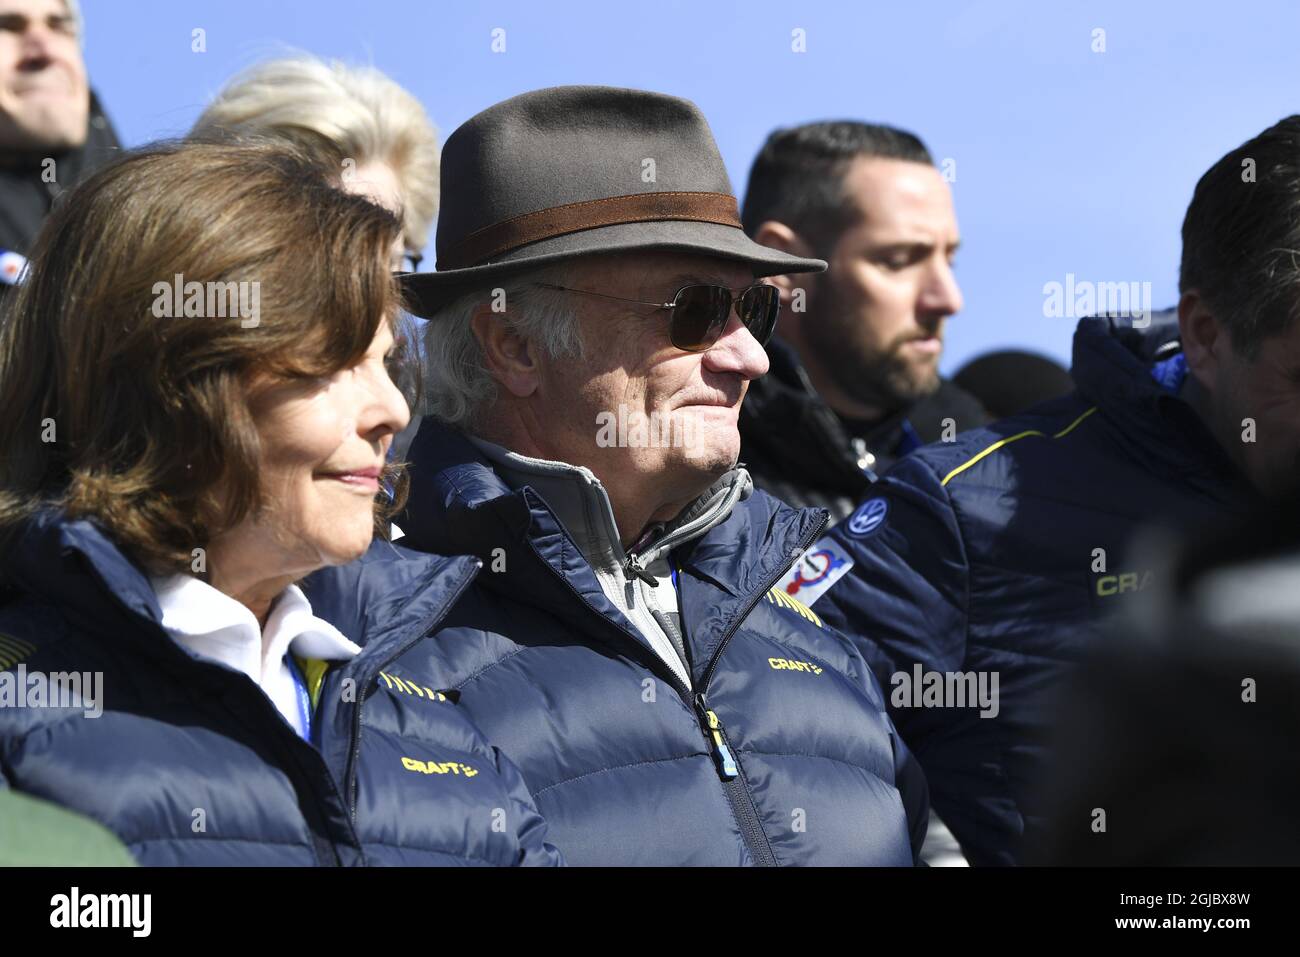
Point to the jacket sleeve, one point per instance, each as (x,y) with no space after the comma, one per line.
(915,790)
(903,603)
(531,826)
(904,599)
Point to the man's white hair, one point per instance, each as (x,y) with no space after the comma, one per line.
(458,387)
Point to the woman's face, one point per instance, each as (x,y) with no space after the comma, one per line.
(324,443)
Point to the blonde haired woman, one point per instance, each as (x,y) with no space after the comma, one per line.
(353,118)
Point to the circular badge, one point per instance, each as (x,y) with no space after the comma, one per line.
(869,516)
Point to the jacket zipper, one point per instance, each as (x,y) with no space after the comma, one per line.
(724,755)
(367,678)
(715,735)
(734,786)
(796,553)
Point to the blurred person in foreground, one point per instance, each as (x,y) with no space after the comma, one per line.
(36,833)
(53,132)
(854,381)
(1177,738)
(354,120)
(591,337)
(978,572)
(197,373)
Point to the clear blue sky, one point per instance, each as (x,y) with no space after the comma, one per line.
(1067,160)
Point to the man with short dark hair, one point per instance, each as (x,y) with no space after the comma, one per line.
(854,381)
(998,556)
(1240,288)
(53,132)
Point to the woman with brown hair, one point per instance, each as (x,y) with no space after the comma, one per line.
(372,134)
(198,409)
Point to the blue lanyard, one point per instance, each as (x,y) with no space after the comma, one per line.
(304,698)
(909,441)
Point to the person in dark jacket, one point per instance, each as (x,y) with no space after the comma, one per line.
(200,409)
(998,556)
(53,131)
(625,644)
(1175,742)
(854,382)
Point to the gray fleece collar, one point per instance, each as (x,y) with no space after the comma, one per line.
(580,502)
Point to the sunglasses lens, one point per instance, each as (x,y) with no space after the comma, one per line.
(699,315)
(759,307)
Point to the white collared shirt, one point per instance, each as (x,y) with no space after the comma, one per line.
(215,626)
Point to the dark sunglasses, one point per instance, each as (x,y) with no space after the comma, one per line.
(700,311)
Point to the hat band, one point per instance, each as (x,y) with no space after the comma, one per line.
(491,241)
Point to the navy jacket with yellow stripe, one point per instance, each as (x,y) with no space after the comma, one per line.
(187,761)
(999,553)
(781,751)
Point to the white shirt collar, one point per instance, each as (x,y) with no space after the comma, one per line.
(215,626)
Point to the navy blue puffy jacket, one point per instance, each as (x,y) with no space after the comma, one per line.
(190,762)
(614,750)
(980,555)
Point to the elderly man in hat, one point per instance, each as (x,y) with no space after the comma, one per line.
(595,320)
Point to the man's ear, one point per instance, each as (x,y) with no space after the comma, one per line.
(1204,339)
(510,359)
(778,235)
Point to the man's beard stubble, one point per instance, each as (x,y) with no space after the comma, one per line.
(884,378)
